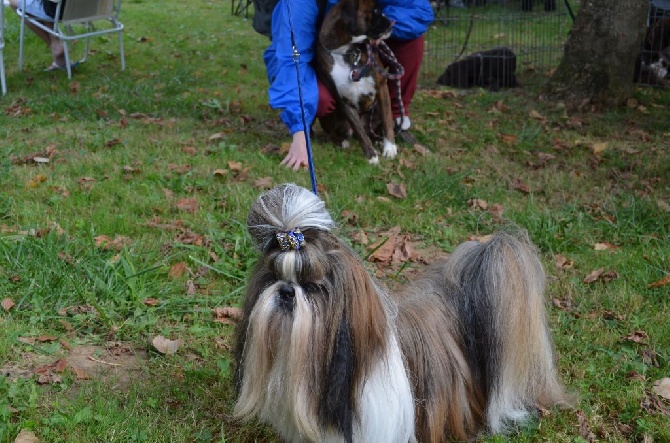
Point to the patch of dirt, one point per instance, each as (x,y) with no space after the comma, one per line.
(115,363)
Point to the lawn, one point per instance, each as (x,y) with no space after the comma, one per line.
(124,195)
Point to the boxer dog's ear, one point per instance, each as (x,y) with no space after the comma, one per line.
(349,17)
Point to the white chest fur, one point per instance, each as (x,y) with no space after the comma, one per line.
(346,87)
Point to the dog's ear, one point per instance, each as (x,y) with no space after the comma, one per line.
(350,16)
(336,408)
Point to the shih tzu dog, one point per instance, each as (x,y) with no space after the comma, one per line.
(324,353)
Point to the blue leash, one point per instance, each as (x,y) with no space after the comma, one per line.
(296,59)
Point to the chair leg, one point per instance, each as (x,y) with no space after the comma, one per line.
(66,52)
(123,58)
(2,73)
(21,35)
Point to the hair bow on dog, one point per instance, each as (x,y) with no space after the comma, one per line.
(291,240)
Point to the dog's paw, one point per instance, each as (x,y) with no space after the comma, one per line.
(390,149)
(373,160)
(345,144)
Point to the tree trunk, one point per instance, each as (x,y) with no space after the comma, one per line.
(600,54)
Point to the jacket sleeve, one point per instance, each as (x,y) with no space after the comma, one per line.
(412,17)
(280,64)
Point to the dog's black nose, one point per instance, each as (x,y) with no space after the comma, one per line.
(286,296)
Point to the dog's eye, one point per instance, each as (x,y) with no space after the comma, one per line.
(312,288)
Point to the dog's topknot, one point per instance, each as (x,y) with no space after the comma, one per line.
(284,208)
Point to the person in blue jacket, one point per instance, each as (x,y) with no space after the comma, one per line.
(412,18)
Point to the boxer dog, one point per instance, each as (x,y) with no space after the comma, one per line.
(492,69)
(348,63)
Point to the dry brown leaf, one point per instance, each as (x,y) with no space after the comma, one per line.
(235,166)
(477,203)
(26,436)
(584,429)
(151,301)
(662,282)
(397,190)
(220,172)
(562,262)
(263,183)
(536,115)
(7,304)
(598,148)
(177,270)
(228,315)
(662,388)
(638,336)
(108,244)
(187,205)
(190,288)
(165,345)
(604,246)
(360,237)
(508,139)
(496,210)
(384,253)
(520,185)
(594,276)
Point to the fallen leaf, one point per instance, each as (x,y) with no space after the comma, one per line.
(384,253)
(151,301)
(397,190)
(228,315)
(220,172)
(263,183)
(26,436)
(108,244)
(508,139)
(177,270)
(584,429)
(165,345)
(496,210)
(190,288)
(598,148)
(638,336)
(562,262)
(519,185)
(476,203)
(662,388)
(187,205)
(662,282)
(360,237)
(593,276)
(535,115)
(604,247)
(7,304)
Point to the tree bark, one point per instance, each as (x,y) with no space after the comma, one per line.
(599,56)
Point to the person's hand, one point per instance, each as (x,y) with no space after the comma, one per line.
(297,153)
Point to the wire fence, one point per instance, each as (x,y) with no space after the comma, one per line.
(534,30)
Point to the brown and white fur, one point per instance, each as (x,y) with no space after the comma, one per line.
(325,353)
(346,31)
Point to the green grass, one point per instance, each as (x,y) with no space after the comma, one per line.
(127,147)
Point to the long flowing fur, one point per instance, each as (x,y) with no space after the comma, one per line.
(325,353)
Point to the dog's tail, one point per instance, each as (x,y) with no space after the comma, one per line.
(506,332)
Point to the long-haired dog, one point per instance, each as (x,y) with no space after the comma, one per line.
(325,354)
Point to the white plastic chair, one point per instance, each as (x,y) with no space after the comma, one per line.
(3,82)
(75,15)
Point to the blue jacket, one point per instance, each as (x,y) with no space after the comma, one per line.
(412,18)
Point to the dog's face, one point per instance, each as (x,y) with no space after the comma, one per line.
(365,20)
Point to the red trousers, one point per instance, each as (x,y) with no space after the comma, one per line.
(409,54)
